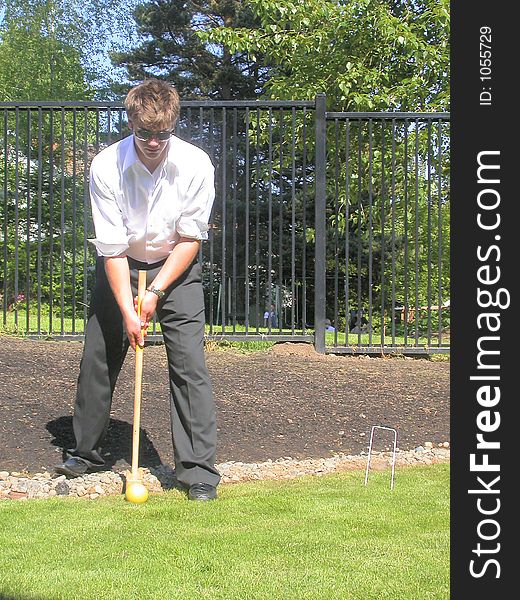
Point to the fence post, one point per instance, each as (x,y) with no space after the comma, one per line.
(320,225)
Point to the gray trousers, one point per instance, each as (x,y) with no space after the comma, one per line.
(192,409)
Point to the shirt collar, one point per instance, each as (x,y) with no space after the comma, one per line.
(130,157)
(170,161)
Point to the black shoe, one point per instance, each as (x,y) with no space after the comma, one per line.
(202,491)
(73,467)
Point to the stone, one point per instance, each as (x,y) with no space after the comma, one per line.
(95,485)
(62,488)
(21,486)
(14,495)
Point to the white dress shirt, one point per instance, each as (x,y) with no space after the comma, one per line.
(143,215)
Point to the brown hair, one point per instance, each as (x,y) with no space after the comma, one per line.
(155,103)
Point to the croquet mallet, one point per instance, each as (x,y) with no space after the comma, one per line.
(134,478)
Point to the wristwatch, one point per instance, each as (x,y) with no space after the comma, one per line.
(159,293)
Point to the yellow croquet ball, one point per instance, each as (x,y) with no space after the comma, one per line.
(136,493)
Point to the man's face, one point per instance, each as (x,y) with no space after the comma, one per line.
(150,144)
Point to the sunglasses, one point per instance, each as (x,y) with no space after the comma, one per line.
(145,135)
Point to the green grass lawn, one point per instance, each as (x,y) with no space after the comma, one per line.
(17,325)
(313,537)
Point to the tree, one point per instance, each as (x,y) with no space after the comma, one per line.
(173,50)
(58,50)
(363,54)
(35,64)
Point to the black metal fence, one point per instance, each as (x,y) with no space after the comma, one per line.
(383,194)
(317,216)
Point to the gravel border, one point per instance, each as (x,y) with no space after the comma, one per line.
(23,486)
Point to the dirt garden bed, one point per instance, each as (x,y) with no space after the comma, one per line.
(287,402)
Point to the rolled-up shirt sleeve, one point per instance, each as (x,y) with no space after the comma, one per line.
(198,202)
(111,234)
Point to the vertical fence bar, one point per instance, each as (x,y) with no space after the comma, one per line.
(270,223)
(257,222)
(74,220)
(393,200)
(6,220)
(86,206)
(51,220)
(406,232)
(98,136)
(337,172)
(188,125)
(359,308)
(28,294)
(304,225)
(109,127)
(294,300)
(347,230)
(28,229)
(212,228)
(39,225)
(278,296)
(320,208)
(383,239)
(416,250)
(16,217)
(120,124)
(62,224)
(235,224)
(201,144)
(429,226)
(370,227)
(223,169)
(246,225)
(439,227)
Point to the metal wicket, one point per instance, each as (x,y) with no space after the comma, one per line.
(370,452)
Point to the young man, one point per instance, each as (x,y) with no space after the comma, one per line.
(151,196)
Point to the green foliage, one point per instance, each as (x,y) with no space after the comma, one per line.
(172,49)
(43,209)
(388,212)
(364,54)
(58,50)
(35,64)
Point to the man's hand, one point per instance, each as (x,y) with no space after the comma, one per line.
(118,274)
(148,307)
(132,325)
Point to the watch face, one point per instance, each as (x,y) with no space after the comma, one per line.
(157,291)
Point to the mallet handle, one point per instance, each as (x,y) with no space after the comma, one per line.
(141,290)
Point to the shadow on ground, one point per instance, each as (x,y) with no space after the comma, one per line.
(117,450)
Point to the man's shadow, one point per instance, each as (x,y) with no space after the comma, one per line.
(117,446)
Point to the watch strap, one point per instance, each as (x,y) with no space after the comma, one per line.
(159,293)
